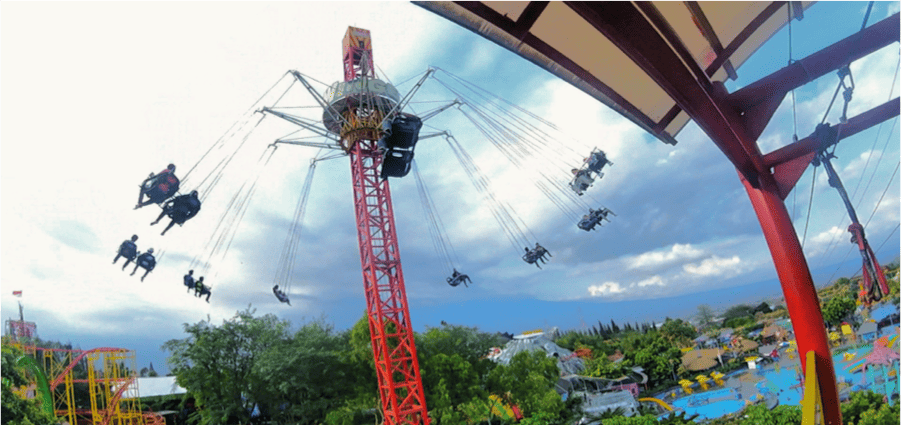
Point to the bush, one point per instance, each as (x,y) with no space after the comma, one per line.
(858,403)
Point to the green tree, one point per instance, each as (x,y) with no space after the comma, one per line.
(885,415)
(859,402)
(469,343)
(303,378)
(452,364)
(450,382)
(762,308)
(529,381)
(894,287)
(656,356)
(363,409)
(16,410)
(633,420)
(737,322)
(216,364)
(602,367)
(704,316)
(358,356)
(741,310)
(678,331)
(781,415)
(837,309)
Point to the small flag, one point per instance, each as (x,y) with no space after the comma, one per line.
(17,293)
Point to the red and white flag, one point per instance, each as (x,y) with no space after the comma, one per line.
(17,293)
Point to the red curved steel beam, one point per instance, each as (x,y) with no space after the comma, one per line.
(114,401)
(59,379)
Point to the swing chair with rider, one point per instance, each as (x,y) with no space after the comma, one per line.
(129,250)
(145,261)
(158,187)
(282,297)
(457,278)
(594,218)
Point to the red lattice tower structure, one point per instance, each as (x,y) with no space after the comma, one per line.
(367,102)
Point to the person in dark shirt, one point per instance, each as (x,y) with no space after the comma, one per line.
(145,261)
(280,295)
(180,210)
(158,187)
(189,280)
(129,250)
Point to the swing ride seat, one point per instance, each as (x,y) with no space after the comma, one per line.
(581,182)
(588,224)
(185,210)
(594,218)
(597,160)
(129,250)
(280,296)
(458,279)
(396,163)
(530,257)
(404,132)
(147,263)
(160,187)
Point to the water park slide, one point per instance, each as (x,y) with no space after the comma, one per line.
(855,364)
(658,401)
(41,380)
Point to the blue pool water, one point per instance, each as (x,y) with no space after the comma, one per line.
(784,384)
(711,404)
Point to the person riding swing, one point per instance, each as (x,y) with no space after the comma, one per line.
(530,257)
(129,250)
(457,277)
(282,297)
(158,187)
(180,210)
(189,280)
(146,261)
(594,218)
(201,289)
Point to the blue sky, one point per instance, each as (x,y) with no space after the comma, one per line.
(95,96)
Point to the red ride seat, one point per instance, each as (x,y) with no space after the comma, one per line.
(161,187)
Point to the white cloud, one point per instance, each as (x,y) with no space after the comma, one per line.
(893,8)
(817,244)
(605,289)
(714,266)
(676,253)
(651,281)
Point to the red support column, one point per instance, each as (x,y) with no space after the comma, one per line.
(393,347)
(797,286)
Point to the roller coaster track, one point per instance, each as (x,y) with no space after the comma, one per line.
(62,376)
(114,401)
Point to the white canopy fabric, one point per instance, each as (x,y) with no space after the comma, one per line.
(158,386)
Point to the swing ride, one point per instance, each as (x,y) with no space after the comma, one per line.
(368,121)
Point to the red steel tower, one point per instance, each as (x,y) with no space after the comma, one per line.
(358,108)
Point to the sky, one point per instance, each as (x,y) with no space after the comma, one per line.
(95,96)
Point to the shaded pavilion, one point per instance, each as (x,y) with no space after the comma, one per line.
(661,64)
